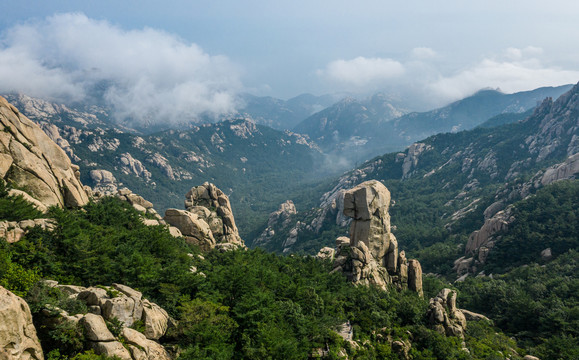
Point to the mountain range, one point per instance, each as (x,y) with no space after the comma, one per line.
(492,209)
(359,130)
(447,181)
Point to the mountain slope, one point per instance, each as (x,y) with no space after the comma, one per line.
(163,166)
(349,123)
(443,184)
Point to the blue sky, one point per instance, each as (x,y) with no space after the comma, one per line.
(170,52)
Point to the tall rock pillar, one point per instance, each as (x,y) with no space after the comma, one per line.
(371,255)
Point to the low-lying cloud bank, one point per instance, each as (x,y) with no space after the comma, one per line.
(420,75)
(145,75)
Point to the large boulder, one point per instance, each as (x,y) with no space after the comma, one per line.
(156,320)
(194,229)
(95,328)
(143,348)
(30,159)
(415,276)
(18,339)
(370,256)
(111,349)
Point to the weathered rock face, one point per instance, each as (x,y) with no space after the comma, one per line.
(371,255)
(29,158)
(279,220)
(566,170)
(481,242)
(326,253)
(18,338)
(444,316)
(411,159)
(104,182)
(143,348)
(194,229)
(208,220)
(129,165)
(13,231)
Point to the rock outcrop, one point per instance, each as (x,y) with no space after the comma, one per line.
(18,339)
(481,242)
(566,170)
(371,255)
(103,182)
(208,219)
(444,316)
(131,166)
(118,302)
(411,158)
(30,159)
(13,231)
(278,221)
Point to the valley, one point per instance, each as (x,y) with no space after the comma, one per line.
(468,215)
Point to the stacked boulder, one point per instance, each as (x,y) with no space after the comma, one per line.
(138,202)
(18,339)
(208,219)
(444,316)
(104,183)
(124,304)
(13,231)
(370,256)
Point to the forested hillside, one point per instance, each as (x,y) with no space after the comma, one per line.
(238,304)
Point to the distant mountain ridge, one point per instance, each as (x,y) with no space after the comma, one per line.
(362,129)
(349,121)
(283,114)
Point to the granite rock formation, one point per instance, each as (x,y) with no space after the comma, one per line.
(13,231)
(444,316)
(371,254)
(208,219)
(104,182)
(18,339)
(279,221)
(30,159)
(115,302)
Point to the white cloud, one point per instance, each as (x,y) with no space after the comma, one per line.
(427,81)
(518,71)
(363,71)
(145,74)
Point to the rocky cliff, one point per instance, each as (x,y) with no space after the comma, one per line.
(370,256)
(30,159)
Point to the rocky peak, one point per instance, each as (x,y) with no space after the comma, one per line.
(558,124)
(30,159)
(208,219)
(371,255)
